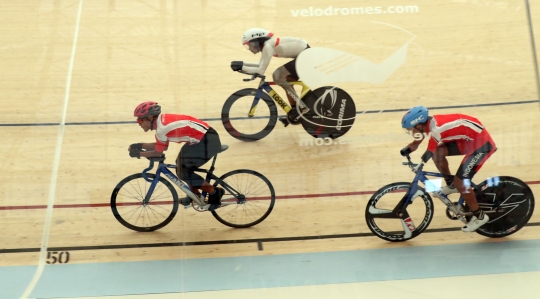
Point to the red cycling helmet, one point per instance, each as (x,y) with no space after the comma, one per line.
(147,109)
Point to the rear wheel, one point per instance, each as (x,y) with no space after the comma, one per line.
(508,201)
(332,112)
(250,202)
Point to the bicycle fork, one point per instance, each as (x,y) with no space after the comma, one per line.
(406,221)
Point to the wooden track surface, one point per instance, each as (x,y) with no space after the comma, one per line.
(465,53)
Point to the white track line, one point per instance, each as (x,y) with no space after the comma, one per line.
(54,176)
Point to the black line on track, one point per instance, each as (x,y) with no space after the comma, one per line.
(224,242)
(219,119)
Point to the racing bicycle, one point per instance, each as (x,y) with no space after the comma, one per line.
(250,114)
(146,202)
(402,211)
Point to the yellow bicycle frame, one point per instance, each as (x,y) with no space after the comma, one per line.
(281,103)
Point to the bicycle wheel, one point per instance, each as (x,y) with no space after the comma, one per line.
(383,219)
(127,206)
(513,202)
(239,125)
(252,202)
(332,112)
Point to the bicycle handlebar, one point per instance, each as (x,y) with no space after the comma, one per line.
(152,160)
(253,76)
(410,163)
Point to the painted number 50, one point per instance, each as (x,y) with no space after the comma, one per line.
(54,257)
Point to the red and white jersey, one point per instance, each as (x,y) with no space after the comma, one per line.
(178,128)
(286,47)
(454,127)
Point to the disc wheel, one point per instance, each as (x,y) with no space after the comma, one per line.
(332,112)
(513,203)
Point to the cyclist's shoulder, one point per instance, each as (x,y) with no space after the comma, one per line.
(289,40)
(452,117)
(167,118)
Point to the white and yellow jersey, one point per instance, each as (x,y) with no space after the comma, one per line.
(286,47)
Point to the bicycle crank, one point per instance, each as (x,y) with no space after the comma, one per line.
(454,211)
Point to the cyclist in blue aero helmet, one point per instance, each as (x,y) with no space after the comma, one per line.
(415,116)
(452,135)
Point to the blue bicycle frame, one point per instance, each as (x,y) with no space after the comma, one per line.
(162,169)
(421,176)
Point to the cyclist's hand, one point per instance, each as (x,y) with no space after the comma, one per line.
(135,146)
(134,153)
(405,151)
(237,65)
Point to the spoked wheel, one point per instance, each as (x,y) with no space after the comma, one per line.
(236,120)
(127,203)
(251,201)
(332,112)
(513,203)
(382,215)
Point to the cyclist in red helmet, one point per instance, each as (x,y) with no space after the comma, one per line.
(452,135)
(202,143)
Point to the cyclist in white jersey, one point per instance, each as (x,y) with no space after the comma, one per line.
(260,40)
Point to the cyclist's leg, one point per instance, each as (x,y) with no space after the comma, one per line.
(471,164)
(439,158)
(180,170)
(194,156)
(282,75)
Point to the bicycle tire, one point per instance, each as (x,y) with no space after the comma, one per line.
(259,196)
(244,99)
(136,192)
(508,193)
(332,112)
(395,231)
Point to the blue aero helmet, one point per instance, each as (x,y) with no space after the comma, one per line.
(415,115)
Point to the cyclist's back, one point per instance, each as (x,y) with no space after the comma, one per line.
(455,127)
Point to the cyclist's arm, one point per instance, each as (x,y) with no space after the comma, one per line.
(149,146)
(414,145)
(150,150)
(145,146)
(260,68)
(152,153)
(430,151)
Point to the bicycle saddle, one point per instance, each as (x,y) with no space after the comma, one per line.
(224,147)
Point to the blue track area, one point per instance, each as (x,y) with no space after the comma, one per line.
(15,280)
(102,279)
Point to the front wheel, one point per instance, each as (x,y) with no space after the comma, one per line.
(389,220)
(236,118)
(128,208)
(508,201)
(249,198)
